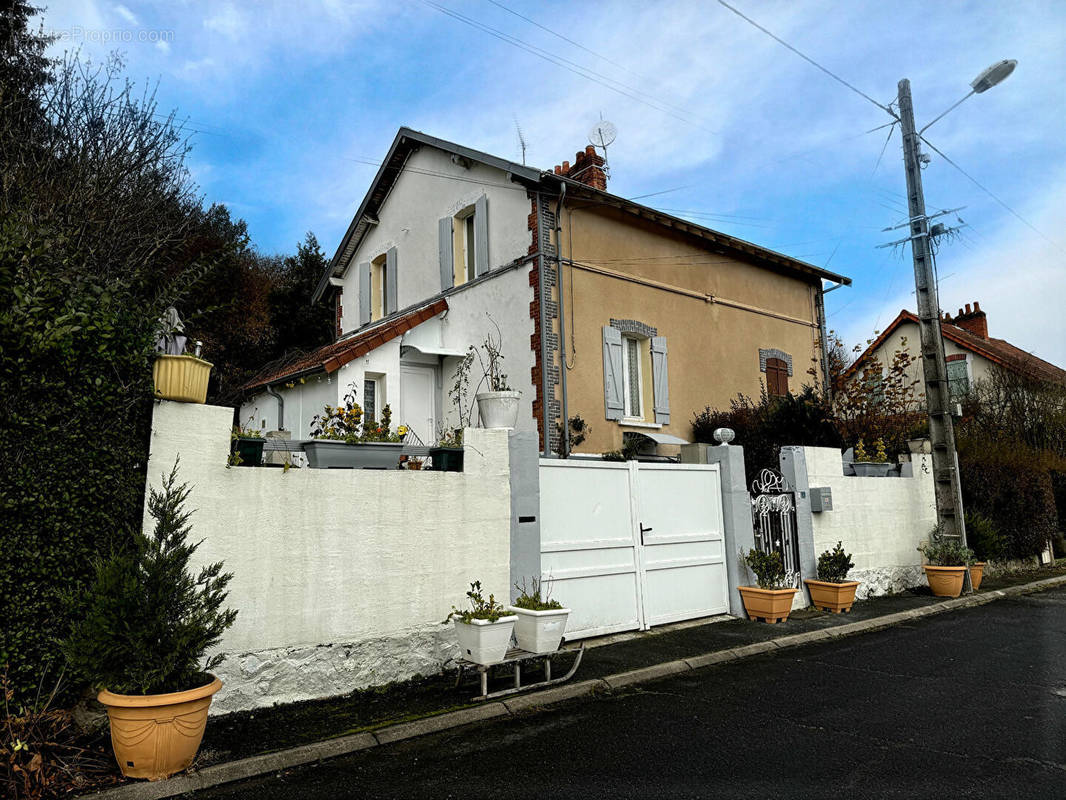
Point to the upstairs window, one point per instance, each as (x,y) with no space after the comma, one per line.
(464,244)
(378,287)
(958,378)
(632,376)
(776,377)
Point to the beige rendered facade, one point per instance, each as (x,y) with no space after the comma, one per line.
(718,313)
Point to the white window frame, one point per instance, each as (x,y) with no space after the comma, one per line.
(627,400)
(464,252)
(379,383)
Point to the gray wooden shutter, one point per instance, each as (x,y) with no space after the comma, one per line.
(660,381)
(390,280)
(481,236)
(614,406)
(445,244)
(364,293)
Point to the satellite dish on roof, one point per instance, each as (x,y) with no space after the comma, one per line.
(603,133)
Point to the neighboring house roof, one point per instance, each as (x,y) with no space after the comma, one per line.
(408,140)
(998,351)
(333,356)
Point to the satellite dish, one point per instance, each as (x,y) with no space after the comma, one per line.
(603,133)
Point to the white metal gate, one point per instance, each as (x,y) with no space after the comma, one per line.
(631,545)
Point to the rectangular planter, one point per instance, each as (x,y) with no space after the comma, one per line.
(181,378)
(539,631)
(769,605)
(871,469)
(329,454)
(250,450)
(484,642)
(829,596)
(447,459)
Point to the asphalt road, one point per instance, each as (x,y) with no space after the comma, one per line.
(966,704)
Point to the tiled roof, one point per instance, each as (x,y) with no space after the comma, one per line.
(332,357)
(998,351)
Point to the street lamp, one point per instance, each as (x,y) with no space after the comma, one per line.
(934,365)
(997,73)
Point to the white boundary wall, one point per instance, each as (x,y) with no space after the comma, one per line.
(881,521)
(341,577)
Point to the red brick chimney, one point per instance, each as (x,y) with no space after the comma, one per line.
(974,320)
(587,168)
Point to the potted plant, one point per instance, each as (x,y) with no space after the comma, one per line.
(987,543)
(871,466)
(948,562)
(498,406)
(541,620)
(833,591)
(484,630)
(343,439)
(771,600)
(448,454)
(148,624)
(246,446)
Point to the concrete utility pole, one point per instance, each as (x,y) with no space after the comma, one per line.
(934,365)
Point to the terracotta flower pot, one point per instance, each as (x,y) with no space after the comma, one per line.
(977,574)
(769,605)
(156,735)
(945,581)
(181,378)
(829,596)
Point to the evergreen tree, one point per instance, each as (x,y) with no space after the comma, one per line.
(149,621)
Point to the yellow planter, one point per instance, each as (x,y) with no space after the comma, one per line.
(834,597)
(181,378)
(977,574)
(156,735)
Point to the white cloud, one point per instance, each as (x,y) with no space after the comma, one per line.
(126,14)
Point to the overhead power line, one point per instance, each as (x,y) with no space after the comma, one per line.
(806,58)
(614,85)
(991,194)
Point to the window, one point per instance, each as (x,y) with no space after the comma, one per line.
(464,246)
(632,374)
(378,288)
(370,396)
(875,386)
(958,378)
(636,383)
(776,377)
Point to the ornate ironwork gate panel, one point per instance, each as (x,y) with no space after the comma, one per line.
(773,517)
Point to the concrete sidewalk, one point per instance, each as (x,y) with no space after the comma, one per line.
(609,664)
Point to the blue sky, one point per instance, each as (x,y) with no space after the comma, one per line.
(289,99)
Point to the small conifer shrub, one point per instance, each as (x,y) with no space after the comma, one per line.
(149,619)
(834,565)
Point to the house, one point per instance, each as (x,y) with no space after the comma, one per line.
(628,317)
(971,353)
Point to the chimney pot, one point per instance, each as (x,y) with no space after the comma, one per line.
(960,313)
(976,306)
(967,308)
(566,167)
(590,150)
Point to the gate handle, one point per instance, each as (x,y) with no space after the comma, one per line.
(643,530)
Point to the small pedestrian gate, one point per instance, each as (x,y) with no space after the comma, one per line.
(628,546)
(773,519)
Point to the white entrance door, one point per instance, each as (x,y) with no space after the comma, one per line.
(682,553)
(629,546)
(418,401)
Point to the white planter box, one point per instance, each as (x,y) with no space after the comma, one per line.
(485,642)
(540,631)
(498,409)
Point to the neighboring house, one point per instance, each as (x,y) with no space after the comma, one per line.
(971,353)
(634,322)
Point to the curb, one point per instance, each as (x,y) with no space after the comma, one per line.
(268,763)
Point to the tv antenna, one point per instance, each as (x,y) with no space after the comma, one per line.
(521,140)
(603,133)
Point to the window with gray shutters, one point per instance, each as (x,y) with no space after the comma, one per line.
(958,379)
